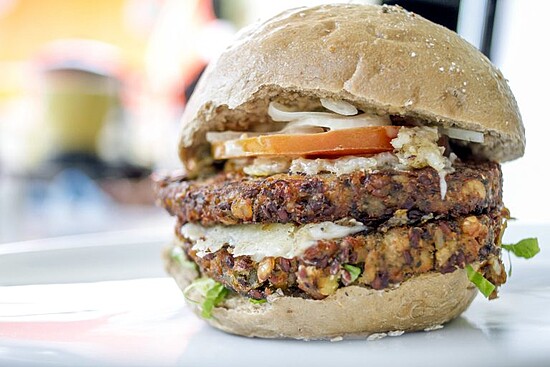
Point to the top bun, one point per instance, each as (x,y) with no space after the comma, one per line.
(382,59)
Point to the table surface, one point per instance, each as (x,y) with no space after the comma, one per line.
(103,299)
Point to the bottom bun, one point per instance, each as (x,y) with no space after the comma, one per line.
(419,303)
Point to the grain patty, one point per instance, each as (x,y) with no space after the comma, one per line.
(371,198)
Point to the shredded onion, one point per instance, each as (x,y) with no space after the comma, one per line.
(340,107)
(462,134)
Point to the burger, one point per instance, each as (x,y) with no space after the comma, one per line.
(341,177)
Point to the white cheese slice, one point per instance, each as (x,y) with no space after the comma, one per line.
(262,240)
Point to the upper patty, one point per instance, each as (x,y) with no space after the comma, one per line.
(371,198)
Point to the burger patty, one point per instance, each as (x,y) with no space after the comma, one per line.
(371,198)
(383,259)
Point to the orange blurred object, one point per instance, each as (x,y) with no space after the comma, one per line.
(25,25)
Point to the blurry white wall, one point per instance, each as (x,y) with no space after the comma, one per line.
(520,49)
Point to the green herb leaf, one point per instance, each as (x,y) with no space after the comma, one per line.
(354,271)
(214,296)
(484,286)
(211,294)
(526,248)
(257,301)
(178,255)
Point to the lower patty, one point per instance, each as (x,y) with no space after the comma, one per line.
(377,260)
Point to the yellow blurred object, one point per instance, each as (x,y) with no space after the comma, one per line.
(79,89)
(26,25)
(77,105)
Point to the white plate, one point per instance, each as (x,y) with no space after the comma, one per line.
(103,300)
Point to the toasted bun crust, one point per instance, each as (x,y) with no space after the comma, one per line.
(419,303)
(382,59)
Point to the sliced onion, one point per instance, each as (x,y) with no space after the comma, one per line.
(297,127)
(215,136)
(221,136)
(277,113)
(303,123)
(339,123)
(462,134)
(340,107)
(328,120)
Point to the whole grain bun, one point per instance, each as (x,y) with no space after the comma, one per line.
(382,59)
(418,303)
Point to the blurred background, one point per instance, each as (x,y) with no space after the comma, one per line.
(91,92)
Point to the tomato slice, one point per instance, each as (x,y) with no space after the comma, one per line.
(353,141)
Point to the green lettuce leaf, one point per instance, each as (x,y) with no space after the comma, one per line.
(484,286)
(212,293)
(178,255)
(526,248)
(257,301)
(354,271)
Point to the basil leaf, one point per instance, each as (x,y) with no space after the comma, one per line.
(526,248)
(484,286)
(354,271)
(257,301)
(212,293)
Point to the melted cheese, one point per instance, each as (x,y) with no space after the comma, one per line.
(262,240)
(267,166)
(343,165)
